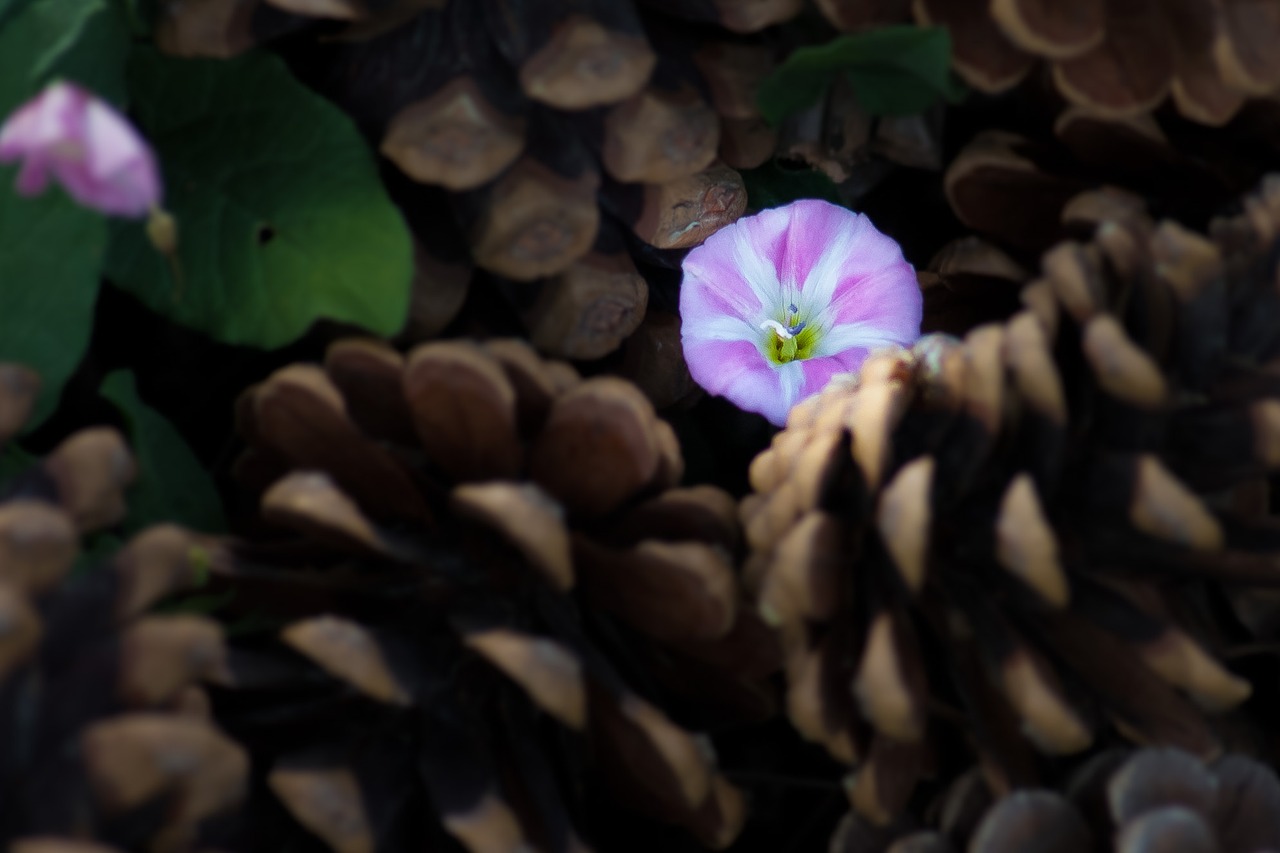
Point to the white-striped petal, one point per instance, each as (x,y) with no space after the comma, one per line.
(791,375)
(820,285)
(836,340)
(726,328)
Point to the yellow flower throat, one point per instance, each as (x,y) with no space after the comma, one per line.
(789,339)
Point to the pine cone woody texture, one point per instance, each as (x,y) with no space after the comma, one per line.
(499,595)
(1117,58)
(1015,534)
(551,145)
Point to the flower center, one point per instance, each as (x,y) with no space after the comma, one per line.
(790,338)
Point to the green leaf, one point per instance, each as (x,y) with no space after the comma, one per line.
(896,70)
(10,10)
(282,219)
(172,485)
(91,50)
(50,253)
(81,40)
(142,15)
(773,185)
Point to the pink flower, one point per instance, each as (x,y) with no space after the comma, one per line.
(777,303)
(88,147)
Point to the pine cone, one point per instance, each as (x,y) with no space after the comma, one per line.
(107,730)
(551,144)
(1128,801)
(498,596)
(1021,191)
(1022,531)
(1117,58)
(1022,195)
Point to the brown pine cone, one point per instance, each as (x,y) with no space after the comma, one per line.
(1019,534)
(498,597)
(108,735)
(1126,801)
(1116,58)
(550,143)
(1023,194)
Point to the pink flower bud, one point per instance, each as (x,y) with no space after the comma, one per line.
(83,143)
(776,304)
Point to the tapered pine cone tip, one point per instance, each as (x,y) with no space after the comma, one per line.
(107,701)
(532,519)
(1128,801)
(999,525)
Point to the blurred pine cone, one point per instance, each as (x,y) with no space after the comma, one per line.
(1022,534)
(498,597)
(1117,58)
(107,729)
(1022,193)
(1027,192)
(551,144)
(1127,801)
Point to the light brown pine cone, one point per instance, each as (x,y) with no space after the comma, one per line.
(500,595)
(1017,535)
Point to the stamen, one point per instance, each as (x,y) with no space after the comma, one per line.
(780,330)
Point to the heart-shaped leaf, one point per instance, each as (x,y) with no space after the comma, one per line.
(281,217)
(896,70)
